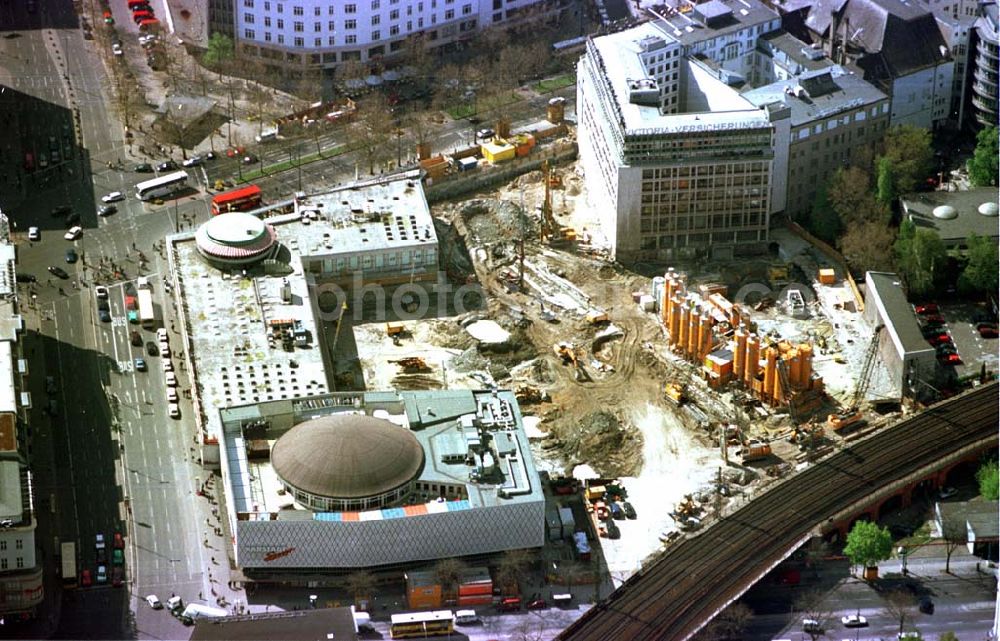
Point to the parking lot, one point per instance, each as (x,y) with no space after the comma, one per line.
(961,322)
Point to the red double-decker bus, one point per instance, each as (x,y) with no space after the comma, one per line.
(237,200)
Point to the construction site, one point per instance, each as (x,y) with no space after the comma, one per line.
(688,386)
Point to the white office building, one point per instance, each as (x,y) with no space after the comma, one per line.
(319,34)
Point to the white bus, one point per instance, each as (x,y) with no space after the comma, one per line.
(162,186)
(421,624)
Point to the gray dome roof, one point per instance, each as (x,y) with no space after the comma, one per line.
(347,456)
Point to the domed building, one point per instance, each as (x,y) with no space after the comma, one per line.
(236,240)
(347,462)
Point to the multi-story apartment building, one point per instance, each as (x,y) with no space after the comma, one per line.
(900,49)
(310,35)
(831,111)
(985,66)
(678,162)
(221,17)
(21,586)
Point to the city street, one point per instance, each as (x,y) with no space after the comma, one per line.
(964,601)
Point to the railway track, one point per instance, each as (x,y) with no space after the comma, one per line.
(681,591)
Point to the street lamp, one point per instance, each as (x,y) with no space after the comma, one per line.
(903,554)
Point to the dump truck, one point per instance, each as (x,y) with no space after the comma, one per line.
(845,419)
(754,451)
(597,317)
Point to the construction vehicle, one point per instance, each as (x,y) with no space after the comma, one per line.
(412,365)
(597,317)
(852,414)
(552,233)
(754,451)
(675,393)
(527,394)
(685,509)
(395,329)
(566,352)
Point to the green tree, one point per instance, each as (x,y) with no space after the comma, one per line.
(512,570)
(983,167)
(448,572)
(954,534)
(980,273)
(823,221)
(849,193)
(921,257)
(911,157)
(360,584)
(219,51)
(867,544)
(948,636)
(988,476)
(886,192)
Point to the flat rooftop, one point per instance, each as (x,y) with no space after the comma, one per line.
(968,220)
(711,104)
(791,53)
(235,323)
(886,287)
(365,216)
(828,91)
(714,19)
(440,420)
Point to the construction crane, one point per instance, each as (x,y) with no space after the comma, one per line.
(852,413)
(552,233)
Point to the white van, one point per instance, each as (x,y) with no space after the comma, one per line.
(463,617)
(199,611)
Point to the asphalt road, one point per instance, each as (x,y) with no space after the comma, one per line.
(964,601)
(111,434)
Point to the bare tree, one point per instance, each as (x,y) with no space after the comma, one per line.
(528,630)
(811,605)
(449,572)
(370,132)
(899,607)
(954,534)
(360,584)
(731,622)
(512,570)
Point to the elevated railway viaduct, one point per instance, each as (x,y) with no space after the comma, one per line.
(676,595)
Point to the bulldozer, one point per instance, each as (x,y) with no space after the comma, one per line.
(527,394)
(566,352)
(675,393)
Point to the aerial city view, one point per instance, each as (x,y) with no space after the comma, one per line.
(499,320)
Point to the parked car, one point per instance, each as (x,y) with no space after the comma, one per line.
(934,319)
(485,134)
(102,574)
(152,349)
(117,557)
(74,233)
(987,332)
(939,339)
(58,272)
(172,395)
(926,605)
(143,168)
(106,210)
(812,625)
(174,410)
(118,542)
(136,339)
(854,621)
(71,256)
(168,165)
(154,602)
(248,159)
(140,365)
(113,197)
(926,308)
(193,161)
(949,359)
(85,579)
(25,277)
(947,492)
(104,315)
(537,604)
(170,379)
(116,49)
(101,548)
(509,604)
(629,510)
(117,574)
(34,233)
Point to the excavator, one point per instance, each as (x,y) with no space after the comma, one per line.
(852,414)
